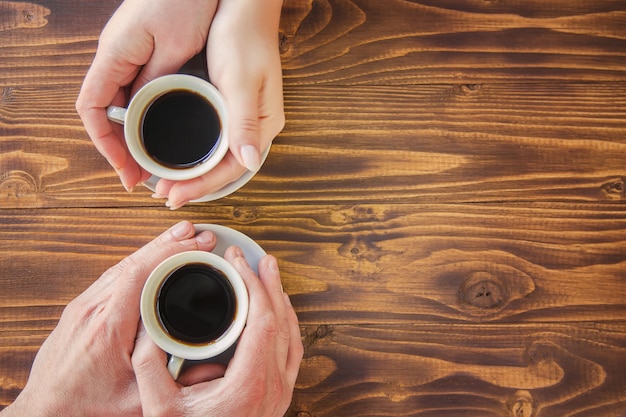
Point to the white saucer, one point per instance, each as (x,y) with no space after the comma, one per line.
(227,237)
(221,193)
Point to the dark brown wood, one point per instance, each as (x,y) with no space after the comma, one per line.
(437,143)
(468,370)
(446,201)
(447,263)
(351,42)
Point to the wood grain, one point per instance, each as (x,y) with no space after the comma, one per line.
(349,264)
(479,143)
(392,301)
(16,15)
(462,370)
(351,42)
(446,201)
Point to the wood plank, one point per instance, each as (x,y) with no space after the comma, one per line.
(476,143)
(430,369)
(463,370)
(352,42)
(446,201)
(350,264)
(47,42)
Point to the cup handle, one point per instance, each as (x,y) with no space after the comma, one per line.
(116,114)
(174,366)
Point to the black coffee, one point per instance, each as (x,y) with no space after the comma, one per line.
(180,129)
(196,304)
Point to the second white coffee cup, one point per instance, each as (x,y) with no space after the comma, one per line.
(194,306)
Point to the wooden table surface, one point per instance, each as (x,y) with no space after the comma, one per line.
(447,200)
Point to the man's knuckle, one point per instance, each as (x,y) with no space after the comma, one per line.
(134,265)
(269,325)
(140,360)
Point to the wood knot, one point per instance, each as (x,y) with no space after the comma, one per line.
(363,249)
(21,177)
(615,189)
(484,291)
(521,404)
(15,15)
(471,88)
(320,332)
(284,43)
(357,214)
(18,189)
(29,16)
(244,215)
(6,95)
(364,252)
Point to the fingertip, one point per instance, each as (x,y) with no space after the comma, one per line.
(269,267)
(269,273)
(272,263)
(167,189)
(235,256)
(182,230)
(175,205)
(129,188)
(174,192)
(130,174)
(163,187)
(233,252)
(180,193)
(206,240)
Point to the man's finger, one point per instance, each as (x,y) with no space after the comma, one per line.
(296,349)
(128,278)
(157,390)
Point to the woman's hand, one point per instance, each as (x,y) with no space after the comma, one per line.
(143,40)
(244,64)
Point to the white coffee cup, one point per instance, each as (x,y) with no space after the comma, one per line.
(133,117)
(152,314)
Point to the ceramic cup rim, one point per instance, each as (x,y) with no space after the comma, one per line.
(146,96)
(152,323)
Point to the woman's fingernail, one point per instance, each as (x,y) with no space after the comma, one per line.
(180,230)
(174,206)
(119,173)
(157,195)
(251,158)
